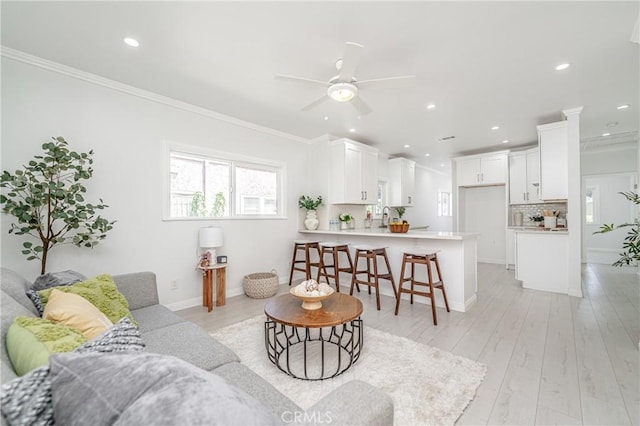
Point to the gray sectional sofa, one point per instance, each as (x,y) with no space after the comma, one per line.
(355,403)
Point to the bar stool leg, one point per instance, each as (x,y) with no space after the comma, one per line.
(293,262)
(386,261)
(441,285)
(413,279)
(336,269)
(402,270)
(377,285)
(431,295)
(354,275)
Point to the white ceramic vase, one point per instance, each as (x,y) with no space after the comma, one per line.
(311,221)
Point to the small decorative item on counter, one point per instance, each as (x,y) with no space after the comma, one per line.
(399,226)
(550,218)
(538,218)
(345,219)
(334,225)
(205,260)
(367,220)
(310,205)
(401,211)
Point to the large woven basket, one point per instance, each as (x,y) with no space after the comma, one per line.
(260,285)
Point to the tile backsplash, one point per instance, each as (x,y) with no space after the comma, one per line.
(529,210)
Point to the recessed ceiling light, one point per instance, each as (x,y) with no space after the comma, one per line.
(441,164)
(352,130)
(131,42)
(495,127)
(407,146)
(612,124)
(562,66)
(427,155)
(625,106)
(606,134)
(505,141)
(359,117)
(431,106)
(326,117)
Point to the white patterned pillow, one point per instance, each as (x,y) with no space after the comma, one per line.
(27,400)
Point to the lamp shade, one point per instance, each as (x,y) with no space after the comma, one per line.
(211,236)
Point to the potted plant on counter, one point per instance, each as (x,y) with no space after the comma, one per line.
(345,220)
(311,206)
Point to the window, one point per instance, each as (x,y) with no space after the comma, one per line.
(381,201)
(206,184)
(592,205)
(444,203)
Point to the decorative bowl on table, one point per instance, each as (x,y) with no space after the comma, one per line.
(311,293)
(399,228)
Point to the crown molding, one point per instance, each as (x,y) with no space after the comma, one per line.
(26,58)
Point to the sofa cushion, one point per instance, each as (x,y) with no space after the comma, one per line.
(50,280)
(9,310)
(143,388)
(244,378)
(76,312)
(189,342)
(154,317)
(30,341)
(28,400)
(16,286)
(102,292)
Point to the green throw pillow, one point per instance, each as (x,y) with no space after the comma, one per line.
(102,292)
(30,341)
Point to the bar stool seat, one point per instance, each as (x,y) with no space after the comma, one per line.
(373,275)
(305,246)
(334,248)
(415,257)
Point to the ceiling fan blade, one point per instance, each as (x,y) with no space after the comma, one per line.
(360,105)
(302,80)
(350,61)
(388,83)
(315,103)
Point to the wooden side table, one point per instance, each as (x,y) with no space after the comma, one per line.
(207,285)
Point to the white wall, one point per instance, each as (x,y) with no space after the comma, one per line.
(126,132)
(425,210)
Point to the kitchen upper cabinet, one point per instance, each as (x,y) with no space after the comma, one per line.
(482,170)
(353,177)
(402,182)
(524,173)
(554,177)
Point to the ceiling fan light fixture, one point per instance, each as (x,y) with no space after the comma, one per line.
(342,92)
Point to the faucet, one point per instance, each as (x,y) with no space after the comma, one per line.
(385,214)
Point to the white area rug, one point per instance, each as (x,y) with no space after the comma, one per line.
(428,386)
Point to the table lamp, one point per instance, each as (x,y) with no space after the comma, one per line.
(210,238)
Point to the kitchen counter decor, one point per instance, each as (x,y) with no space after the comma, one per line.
(399,228)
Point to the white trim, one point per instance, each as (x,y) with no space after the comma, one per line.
(26,58)
(184,304)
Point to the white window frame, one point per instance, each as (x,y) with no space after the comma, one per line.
(595,191)
(234,160)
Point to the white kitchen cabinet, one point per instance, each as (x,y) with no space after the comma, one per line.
(542,259)
(554,177)
(402,182)
(353,177)
(524,172)
(482,170)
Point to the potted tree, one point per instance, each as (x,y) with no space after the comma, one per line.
(311,206)
(47,199)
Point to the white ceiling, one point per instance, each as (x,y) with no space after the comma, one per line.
(481,63)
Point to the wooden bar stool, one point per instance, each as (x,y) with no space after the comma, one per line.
(421,258)
(371,254)
(334,249)
(305,246)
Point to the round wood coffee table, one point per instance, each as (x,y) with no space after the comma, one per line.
(313,345)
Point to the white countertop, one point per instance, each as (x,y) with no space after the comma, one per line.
(384,232)
(539,230)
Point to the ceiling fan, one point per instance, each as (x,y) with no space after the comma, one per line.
(344,87)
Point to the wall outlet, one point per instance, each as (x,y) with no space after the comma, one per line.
(173,284)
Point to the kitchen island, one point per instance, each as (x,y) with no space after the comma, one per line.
(456,254)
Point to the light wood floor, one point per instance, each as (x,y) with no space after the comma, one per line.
(552,359)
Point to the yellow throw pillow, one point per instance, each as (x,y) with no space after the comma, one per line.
(76,312)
